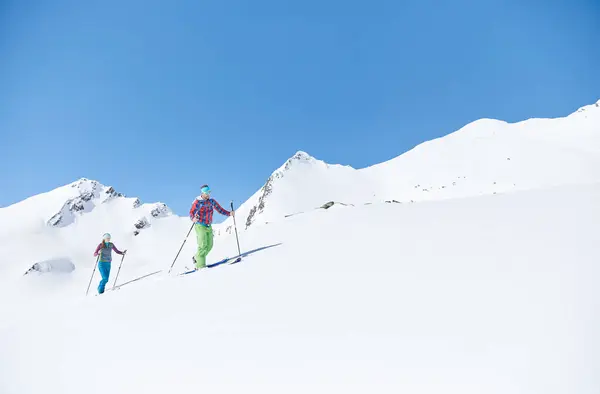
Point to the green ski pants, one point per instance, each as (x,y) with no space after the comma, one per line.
(204,238)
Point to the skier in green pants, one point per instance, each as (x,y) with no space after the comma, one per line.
(201,214)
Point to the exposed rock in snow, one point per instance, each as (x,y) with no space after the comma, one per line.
(299,158)
(140,225)
(112,193)
(327,205)
(265,192)
(156,211)
(332,203)
(160,210)
(57,266)
(89,195)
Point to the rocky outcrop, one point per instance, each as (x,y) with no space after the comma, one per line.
(299,158)
(266,190)
(89,194)
(160,211)
(75,206)
(56,266)
(140,225)
(327,205)
(110,194)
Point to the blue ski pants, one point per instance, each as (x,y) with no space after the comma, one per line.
(104,268)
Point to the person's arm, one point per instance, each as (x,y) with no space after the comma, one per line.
(193,209)
(117,250)
(97,250)
(220,208)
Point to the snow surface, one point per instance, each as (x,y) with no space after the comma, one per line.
(494,294)
(474,287)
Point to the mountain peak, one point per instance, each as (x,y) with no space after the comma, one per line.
(301,155)
(85,182)
(67,204)
(88,194)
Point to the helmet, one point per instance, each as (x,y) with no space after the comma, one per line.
(106,237)
(205,189)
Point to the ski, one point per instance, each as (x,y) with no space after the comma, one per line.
(188,272)
(235,260)
(228,261)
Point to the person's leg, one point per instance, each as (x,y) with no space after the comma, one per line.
(203,244)
(104,269)
(198,230)
(210,236)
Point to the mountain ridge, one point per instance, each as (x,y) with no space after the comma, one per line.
(486,156)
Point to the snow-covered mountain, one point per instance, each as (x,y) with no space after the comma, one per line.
(65,205)
(484,157)
(489,285)
(60,226)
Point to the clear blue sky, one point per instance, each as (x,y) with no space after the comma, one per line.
(157,97)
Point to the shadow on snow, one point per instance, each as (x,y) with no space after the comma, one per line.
(236,259)
(241,256)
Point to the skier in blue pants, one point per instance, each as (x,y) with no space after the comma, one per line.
(105,251)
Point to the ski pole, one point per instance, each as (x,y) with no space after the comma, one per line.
(117,277)
(93,272)
(186,237)
(236,233)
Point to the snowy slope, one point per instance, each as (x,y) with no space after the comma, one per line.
(491,294)
(65,223)
(484,157)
